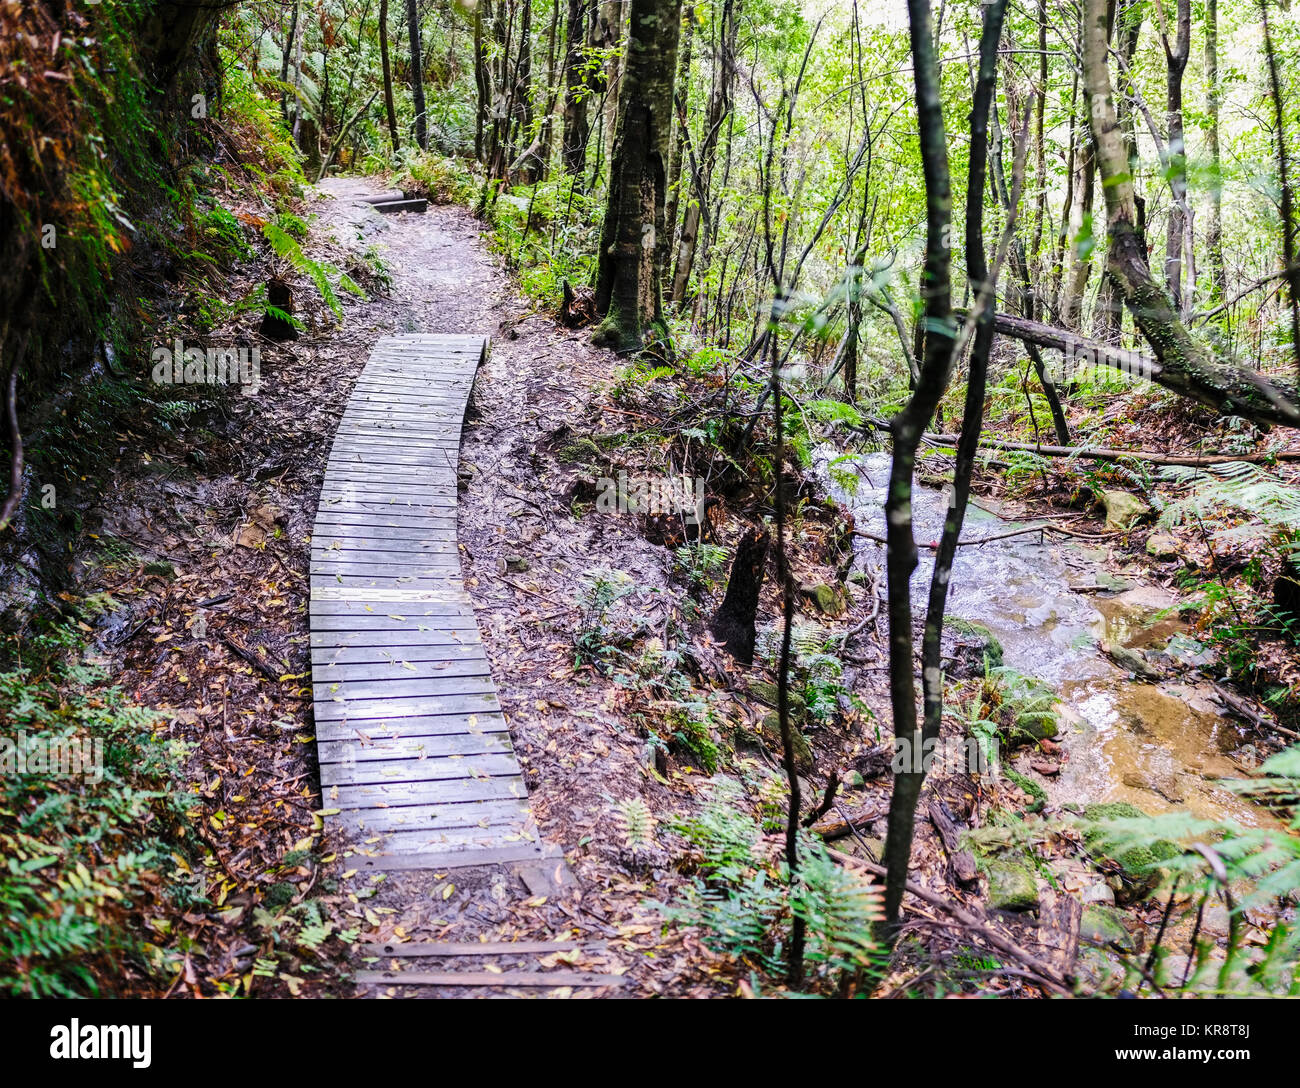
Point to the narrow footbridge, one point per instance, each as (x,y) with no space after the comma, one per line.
(414,750)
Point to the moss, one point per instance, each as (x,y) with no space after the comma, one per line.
(766,692)
(584,449)
(1139,863)
(1012,886)
(1030,787)
(278,895)
(989,644)
(771,731)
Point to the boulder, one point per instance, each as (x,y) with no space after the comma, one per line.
(975,648)
(1123,509)
(771,732)
(1012,886)
(1103,927)
(1163,546)
(1139,865)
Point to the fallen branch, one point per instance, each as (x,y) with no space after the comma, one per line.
(248,655)
(1044,973)
(1241,709)
(1190,460)
(933,546)
(837,827)
(962,861)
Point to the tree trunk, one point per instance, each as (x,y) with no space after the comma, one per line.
(1080,242)
(577,90)
(628,274)
(733,623)
(1186,365)
(389,108)
(724,74)
(1214,224)
(1176,53)
(417,75)
(681,91)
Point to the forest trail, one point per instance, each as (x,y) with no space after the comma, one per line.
(444,281)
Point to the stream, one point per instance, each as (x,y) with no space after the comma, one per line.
(1052,605)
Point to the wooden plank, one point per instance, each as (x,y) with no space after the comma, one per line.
(361,710)
(511,813)
(429,725)
(392,207)
(431,655)
(469,665)
(419,771)
(393,795)
(381,861)
(417,949)
(462,744)
(401,687)
(507,979)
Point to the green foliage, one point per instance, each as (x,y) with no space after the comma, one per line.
(1012,708)
(82,857)
(743,899)
(440,179)
(287,249)
(701,564)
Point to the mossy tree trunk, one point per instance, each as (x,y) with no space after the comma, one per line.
(1187,365)
(629,270)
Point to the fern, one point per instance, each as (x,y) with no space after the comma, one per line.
(287,249)
(1237,489)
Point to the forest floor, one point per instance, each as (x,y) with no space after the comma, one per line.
(203,549)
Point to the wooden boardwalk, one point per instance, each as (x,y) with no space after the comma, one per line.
(414,750)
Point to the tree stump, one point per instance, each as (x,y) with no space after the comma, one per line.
(733,623)
(275,327)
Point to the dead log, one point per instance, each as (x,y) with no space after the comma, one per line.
(837,827)
(961,861)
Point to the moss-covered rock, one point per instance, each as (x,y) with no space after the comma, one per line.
(829,600)
(1139,863)
(771,731)
(1012,886)
(1038,796)
(1103,927)
(1123,510)
(977,648)
(765,692)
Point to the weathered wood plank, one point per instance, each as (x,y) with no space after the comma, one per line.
(413,747)
(507,979)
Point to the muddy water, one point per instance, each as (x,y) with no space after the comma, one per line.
(1052,605)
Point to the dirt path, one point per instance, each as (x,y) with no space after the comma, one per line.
(524,557)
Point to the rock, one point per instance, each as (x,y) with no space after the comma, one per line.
(976,648)
(1163,546)
(829,600)
(1103,927)
(1132,661)
(765,692)
(1099,893)
(516,563)
(771,732)
(1123,509)
(1012,886)
(1139,865)
(1037,795)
